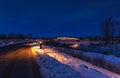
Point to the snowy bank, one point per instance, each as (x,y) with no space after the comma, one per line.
(51,68)
(109,62)
(51,62)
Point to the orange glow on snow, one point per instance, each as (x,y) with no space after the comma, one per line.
(75,45)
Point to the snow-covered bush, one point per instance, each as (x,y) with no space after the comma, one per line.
(109,62)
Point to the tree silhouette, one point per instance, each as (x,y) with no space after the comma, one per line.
(108,30)
(28,35)
(12,35)
(3,36)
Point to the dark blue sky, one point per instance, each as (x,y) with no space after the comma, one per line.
(56,17)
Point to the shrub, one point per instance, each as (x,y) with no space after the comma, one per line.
(98,61)
(106,52)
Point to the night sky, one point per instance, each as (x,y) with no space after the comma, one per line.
(56,17)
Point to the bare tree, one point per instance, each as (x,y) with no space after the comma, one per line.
(3,36)
(20,36)
(29,35)
(107,27)
(12,35)
(112,29)
(118,31)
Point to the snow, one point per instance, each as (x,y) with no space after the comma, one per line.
(109,60)
(4,43)
(54,63)
(51,68)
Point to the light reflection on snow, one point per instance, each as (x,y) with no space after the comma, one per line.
(61,58)
(77,65)
(75,45)
(74,63)
(38,50)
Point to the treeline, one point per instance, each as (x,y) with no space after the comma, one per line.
(92,38)
(110,30)
(13,35)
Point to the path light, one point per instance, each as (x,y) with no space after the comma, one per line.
(40,45)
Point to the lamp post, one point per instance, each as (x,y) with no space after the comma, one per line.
(40,44)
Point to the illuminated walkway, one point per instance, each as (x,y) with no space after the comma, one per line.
(18,62)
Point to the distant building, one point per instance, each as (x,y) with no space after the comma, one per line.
(67,39)
(73,42)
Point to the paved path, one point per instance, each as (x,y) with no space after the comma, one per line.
(18,62)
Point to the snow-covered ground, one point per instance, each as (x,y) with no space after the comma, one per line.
(93,46)
(55,64)
(109,62)
(4,43)
(51,68)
